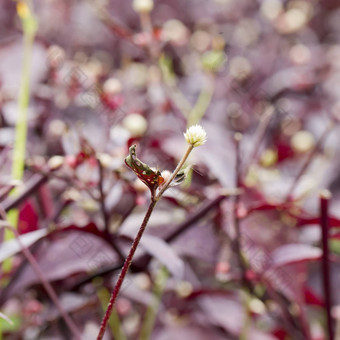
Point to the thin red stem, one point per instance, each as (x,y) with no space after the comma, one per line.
(49,289)
(324,201)
(124,270)
(105,215)
(32,185)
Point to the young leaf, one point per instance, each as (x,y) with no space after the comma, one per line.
(148,176)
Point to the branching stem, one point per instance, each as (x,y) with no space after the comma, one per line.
(128,260)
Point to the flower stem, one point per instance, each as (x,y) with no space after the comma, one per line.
(173,175)
(325,196)
(128,260)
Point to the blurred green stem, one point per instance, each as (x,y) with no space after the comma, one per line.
(151,312)
(172,91)
(114,322)
(29,26)
(245,330)
(202,103)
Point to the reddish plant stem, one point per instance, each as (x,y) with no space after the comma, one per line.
(197,216)
(325,196)
(141,262)
(49,289)
(178,230)
(32,185)
(124,270)
(105,215)
(115,26)
(5,192)
(237,241)
(45,201)
(33,249)
(154,199)
(290,322)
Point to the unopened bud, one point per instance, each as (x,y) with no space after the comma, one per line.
(142,6)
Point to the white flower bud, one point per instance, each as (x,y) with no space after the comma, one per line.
(142,6)
(112,86)
(136,124)
(302,141)
(55,162)
(195,135)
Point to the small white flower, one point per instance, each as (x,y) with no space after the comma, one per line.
(195,135)
(142,6)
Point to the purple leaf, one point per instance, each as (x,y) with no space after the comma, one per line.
(73,252)
(294,253)
(199,242)
(12,247)
(187,332)
(164,253)
(224,311)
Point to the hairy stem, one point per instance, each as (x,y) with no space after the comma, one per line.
(135,243)
(125,269)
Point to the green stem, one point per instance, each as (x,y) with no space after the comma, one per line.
(173,175)
(29,25)
(114,322)
(202,103)
(151,312)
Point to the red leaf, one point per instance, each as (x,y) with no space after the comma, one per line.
(280,334)
(312,298)
(28,218)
